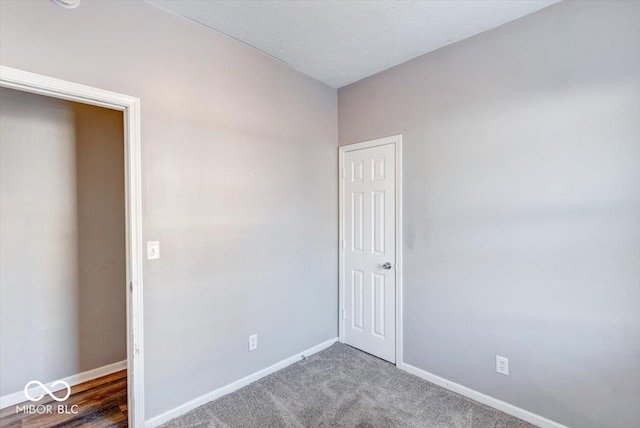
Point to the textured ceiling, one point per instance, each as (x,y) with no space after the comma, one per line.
(340,42)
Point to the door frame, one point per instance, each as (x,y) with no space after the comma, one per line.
(130,106)
(396,140)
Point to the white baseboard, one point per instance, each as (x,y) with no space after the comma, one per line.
(204,399)
(73,380)
(503,406)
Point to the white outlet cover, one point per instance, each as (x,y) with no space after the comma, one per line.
(153,250)
(502,365)
(253,342)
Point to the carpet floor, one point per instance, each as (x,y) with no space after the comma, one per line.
(344,387)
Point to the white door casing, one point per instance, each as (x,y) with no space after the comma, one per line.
(368,251)
(130,106)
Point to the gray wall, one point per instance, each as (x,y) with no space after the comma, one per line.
(522,208)
(62,252)
(238,179)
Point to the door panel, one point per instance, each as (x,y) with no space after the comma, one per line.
(378,223)
(357,290)
(357,220)
(369,207)
(377,311)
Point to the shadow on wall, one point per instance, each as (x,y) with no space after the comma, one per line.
(100,200)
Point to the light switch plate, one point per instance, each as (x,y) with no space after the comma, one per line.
(153,250)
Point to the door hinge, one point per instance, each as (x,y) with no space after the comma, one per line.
(131,287)
(344,314)
(344,244)
(344,173)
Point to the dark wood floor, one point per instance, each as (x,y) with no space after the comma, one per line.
(101,402)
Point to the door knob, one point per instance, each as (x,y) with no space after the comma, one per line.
(386,266)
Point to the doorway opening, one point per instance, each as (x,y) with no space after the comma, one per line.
(71,253)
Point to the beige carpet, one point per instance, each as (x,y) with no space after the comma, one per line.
(344,387)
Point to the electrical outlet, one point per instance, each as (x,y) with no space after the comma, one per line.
(502,365)
(253,342)
(153,250)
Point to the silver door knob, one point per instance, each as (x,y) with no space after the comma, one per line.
(386,266)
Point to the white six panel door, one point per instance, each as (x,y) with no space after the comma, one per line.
(370,241)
